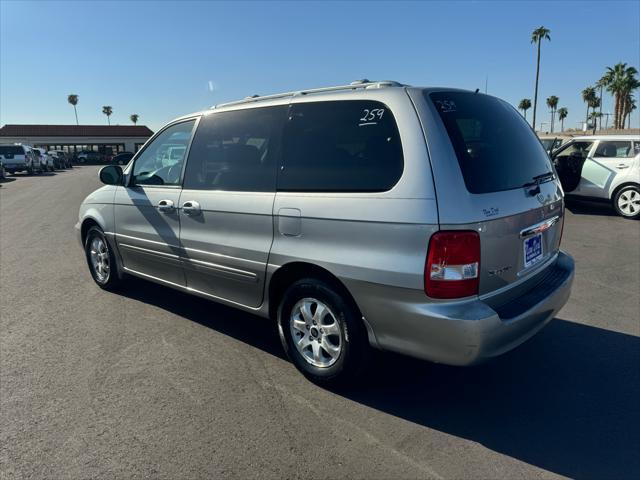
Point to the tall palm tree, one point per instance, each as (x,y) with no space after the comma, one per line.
(73,100)
(524,105)
(620,81)
(594,117)
(588,96)
(562,114)
(107,110)
(601,84)
(537,36)
(134,118)
(552,103)
(630,106)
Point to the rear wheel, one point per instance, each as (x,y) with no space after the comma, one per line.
(101,260)
(322,332)
(626,201)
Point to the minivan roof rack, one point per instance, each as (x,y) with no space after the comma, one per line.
(364,84)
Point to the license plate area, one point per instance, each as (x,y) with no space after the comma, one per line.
(532,249)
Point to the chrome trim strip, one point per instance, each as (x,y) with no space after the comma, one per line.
(221,268)
(186,249)
(191,290)
(540,227)
(152,252)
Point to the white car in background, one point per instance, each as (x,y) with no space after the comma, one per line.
(602,167)
(19,158)
(46,160)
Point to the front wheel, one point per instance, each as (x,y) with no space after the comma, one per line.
(322,332)
(627,202)
(101,260)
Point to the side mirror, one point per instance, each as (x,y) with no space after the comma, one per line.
(111,175)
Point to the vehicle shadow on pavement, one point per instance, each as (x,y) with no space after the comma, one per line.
(585,207)
(226,320)
(566,401)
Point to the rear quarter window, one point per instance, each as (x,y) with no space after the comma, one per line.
(341,146)
(495,147)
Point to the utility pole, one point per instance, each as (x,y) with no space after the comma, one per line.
(486,82)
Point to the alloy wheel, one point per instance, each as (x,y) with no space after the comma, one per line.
(629,202)
(100,259)
(316,332)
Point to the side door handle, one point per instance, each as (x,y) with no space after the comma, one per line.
(622,165)
(191,208)
(166,206)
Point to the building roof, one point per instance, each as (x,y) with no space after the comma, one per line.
(75,131)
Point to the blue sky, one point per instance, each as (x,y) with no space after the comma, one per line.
(162,59)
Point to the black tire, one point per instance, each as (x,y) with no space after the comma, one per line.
(29,171)
(627,191)
(112,279)
(354,345)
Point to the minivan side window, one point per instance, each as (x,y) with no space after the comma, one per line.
(236,150)
(341,146)
(161,161)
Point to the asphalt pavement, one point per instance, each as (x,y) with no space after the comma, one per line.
(153,383)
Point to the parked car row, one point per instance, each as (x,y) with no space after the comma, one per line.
(91,156)
(16,158)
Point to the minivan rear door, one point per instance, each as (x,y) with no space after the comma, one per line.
(493,176)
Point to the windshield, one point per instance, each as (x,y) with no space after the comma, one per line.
(495,147)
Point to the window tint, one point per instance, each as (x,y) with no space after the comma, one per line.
(339,146)
(495,147)
(236,150)
(161,162)
(11,150)
(612,149)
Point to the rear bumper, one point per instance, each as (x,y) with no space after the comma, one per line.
(464,332)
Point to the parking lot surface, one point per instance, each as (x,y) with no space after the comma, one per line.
(157,384)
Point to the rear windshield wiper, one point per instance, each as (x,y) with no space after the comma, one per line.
(538,179)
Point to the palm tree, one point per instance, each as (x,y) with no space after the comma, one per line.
(134,118)
(537,36)
(620,81)
(524,105)
(562,114)
(107,110)
(588,95)
(601,84)
(594,117)
(73,100)
(630,106)
(552,103)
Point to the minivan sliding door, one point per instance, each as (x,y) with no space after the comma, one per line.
(227,200)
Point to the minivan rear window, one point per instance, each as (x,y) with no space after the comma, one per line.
(11,150)
(495,147)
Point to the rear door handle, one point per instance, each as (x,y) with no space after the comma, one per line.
(191,207)
(166,206)
(622,165)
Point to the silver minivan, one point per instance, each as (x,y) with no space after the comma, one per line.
(425,221)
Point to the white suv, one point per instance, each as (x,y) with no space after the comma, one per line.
(46,160)
(19,158)
(602,167)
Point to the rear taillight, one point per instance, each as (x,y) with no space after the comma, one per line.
(453,265)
